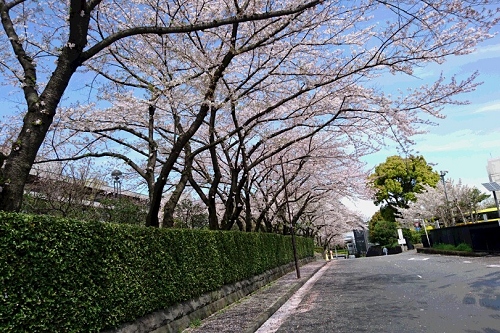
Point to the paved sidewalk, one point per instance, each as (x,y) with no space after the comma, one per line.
(249,313)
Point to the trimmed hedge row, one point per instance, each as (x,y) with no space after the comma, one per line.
(59,275)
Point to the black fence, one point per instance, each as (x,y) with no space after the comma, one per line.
(482,237)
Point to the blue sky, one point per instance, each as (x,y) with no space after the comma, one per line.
(470,135)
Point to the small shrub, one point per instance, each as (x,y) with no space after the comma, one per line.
(449,247)
(464,247)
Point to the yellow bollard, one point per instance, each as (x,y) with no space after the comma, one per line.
(326,256)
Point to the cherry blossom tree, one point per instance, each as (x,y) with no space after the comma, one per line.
(429,204)
(330,220)
(124,132)
(204,95)
(279,89)
(310,180)
(71,33)
(432,204)
(248,179)
(242,94)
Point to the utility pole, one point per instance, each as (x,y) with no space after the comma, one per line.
(292,229)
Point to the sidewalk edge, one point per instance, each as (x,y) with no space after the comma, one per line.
(263,317)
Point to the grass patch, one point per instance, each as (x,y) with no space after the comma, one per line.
(462,247)
(266,286)
(195,323)
(447,247)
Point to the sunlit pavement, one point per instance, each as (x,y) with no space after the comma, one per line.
(408,292)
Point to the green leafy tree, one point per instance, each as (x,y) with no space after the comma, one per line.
(397,180)
(374,220)
(384,233)
(413,235)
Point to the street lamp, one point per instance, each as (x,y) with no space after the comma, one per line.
(117,184)
(442,174)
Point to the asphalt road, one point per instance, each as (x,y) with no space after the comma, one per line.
(407,292)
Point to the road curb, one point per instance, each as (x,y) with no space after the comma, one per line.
(263,317)
(451,253)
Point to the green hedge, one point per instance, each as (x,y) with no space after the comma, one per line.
(59,275)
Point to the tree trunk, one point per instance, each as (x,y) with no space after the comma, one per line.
(212,210)
(248,211)
(41,108)
(168,215)
(24,150)
(154,208)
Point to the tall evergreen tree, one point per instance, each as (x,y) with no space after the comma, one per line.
(397,180)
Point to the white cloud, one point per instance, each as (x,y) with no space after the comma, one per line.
(365,207)
(463,153)
(491,144)
(488,107)
(476,181)
(461,141)
(444,147)
(481,53)
(488,51)
(458,140)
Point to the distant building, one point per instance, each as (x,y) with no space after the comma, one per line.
(493,169)
(94,190)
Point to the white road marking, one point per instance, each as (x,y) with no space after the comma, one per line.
(492,266)
(467,262)
(419,276)
(421,259)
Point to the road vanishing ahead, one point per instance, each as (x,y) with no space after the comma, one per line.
(408,292)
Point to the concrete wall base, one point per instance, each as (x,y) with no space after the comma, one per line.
(451,253)
(179,316)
